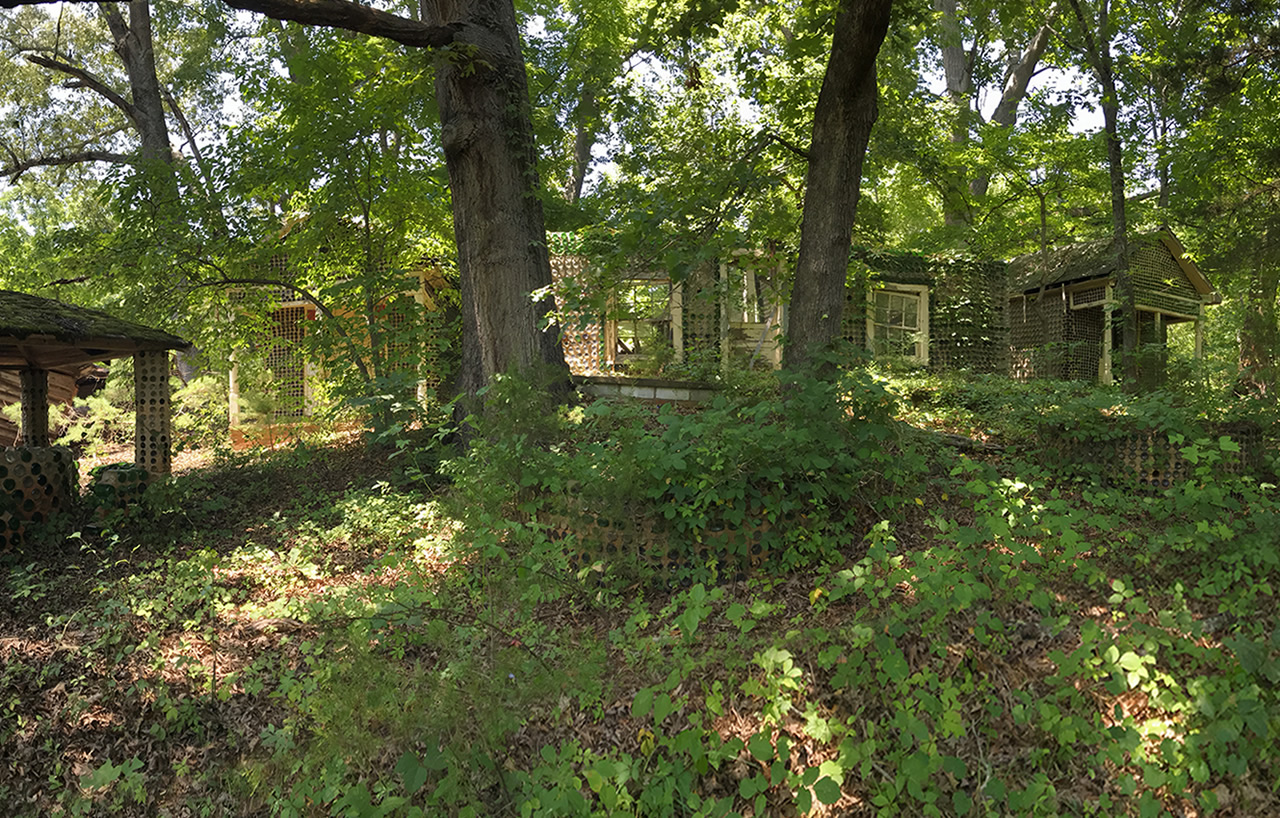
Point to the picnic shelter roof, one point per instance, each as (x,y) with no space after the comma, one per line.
(42,333)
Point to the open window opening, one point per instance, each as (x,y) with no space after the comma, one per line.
(640,331)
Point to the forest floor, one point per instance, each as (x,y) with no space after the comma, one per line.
(316,631)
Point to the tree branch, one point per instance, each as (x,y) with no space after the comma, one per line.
(353,17)
(791,146)
(186,129)
(334,13)
(20,167)
(87,79)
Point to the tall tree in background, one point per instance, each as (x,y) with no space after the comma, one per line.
(842,122)
(971,61)
(1095,29)
(482,96)
(1226,173)
(135,97)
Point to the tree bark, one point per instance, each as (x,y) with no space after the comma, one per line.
(957,73)
(134,45)
(842,122)
(482,92)
(585,124)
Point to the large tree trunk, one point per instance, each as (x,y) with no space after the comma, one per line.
(482,92)
(842,124)
(1259,336)
(134,45)
(957,73)
(497,215)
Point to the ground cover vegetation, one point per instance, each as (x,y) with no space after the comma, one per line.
(325,630)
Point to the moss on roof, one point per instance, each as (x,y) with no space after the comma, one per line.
(1074,262)
(23,316)
(1093,259)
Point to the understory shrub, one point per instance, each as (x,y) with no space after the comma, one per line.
(795,469)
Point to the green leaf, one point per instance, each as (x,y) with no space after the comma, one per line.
(804,800)
(1252,655)
(412,772)
(961,802)
(995,789)
(826,791)
(955,766)
(609,796)
(1130,661)
(642,703)
(101,777)
(895,666)
(662,707)
(916,765)
(760,747)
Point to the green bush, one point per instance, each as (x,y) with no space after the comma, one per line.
(200,412)
(803,459)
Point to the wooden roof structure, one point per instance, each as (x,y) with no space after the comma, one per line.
(41,333)
(1094,259)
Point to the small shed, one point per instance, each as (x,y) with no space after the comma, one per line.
(40,336)
(1061,305)
(44,341)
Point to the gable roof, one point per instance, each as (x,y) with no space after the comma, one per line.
(47,334)
(1094,259)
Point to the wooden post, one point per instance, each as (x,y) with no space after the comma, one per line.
(610,333)
(1200,333)
(677,320)
(724,316)
(35,407)
(233,393)
(1104,364)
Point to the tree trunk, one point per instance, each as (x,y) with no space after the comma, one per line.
(1259,336)
(134,46)
(842,122)
(1015,90)
(957,73)
(585,123)
(497,215)
(1098,54)
(483,97)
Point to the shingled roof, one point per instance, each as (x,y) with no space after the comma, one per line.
(1094,259)
(47,334)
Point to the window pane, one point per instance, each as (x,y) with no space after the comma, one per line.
(896,324)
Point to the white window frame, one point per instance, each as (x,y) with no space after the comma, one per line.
(919,291)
